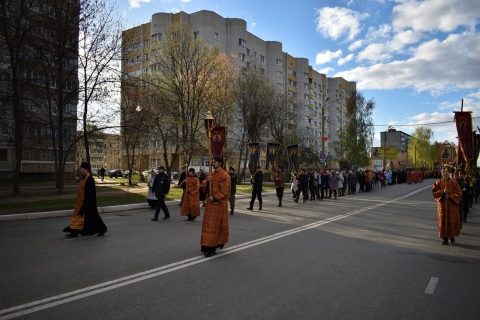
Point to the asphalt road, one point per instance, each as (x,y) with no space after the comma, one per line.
(368,256)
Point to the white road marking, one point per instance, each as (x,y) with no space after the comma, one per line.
(121,282)
(431,285)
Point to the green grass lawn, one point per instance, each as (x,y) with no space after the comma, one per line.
(122,195)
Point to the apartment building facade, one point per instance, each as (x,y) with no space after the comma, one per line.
(320,101)
(47,83)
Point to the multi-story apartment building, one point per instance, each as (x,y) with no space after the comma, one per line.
(47,84)
(320,101)
(394,138)
(104,151)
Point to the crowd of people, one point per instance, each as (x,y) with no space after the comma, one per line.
(310,184)
(455,194)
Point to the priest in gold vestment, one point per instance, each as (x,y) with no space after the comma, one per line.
(448,194)
(215,229)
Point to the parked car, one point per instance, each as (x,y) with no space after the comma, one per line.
(94,172)
(146,174)
(117,173)
(127,173)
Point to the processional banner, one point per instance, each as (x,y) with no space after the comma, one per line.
(253,149)
(272,152)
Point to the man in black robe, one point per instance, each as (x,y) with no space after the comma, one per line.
(86,220)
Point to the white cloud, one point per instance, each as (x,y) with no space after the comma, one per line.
(357,44)
(443,15)
(383,31)
(375,52)
(136,3)
(342,61)
(435,66)
(475,94)
(336,22)
(327,56)
(186,0)
(253,24)
(326,70)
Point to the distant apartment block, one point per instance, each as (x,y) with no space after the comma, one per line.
(321,101)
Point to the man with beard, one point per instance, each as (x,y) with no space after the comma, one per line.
(215,229)
(448,194)
(85,219)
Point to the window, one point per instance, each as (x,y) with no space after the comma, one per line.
(279,62)
(146,43)
(216,36)
(242,57)
(305,75)
(305,118)
(279,74)
(305,86)
(315,85)
(71,109)
(196,34)
(157,37)
(3,155)
(248,52)
(292,83)
(242,42)
(292,72)
(305,96)
(262,71)
(262,59)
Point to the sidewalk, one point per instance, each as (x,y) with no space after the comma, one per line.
(120,208)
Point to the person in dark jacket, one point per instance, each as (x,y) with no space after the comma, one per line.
(361,181)
(233,188)
(256,182)
(324,186)
(86,220)
(303,185)
(202,176)
(161,187)
(311,183)
(183,176)
(279,181)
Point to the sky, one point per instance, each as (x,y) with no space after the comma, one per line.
(416,59)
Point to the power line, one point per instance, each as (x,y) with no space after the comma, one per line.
(415,125)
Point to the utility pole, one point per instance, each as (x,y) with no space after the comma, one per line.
(385,150)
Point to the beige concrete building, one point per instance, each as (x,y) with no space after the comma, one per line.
(321,101)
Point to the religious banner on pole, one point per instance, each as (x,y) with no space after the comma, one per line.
(253,149)
(464,131)
(293,157)
(218,136)
(272,151)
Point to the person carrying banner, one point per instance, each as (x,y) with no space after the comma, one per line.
(215,228)
(256,182)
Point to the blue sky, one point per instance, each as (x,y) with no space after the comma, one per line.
(416,59)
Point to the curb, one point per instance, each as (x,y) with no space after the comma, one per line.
(119,208)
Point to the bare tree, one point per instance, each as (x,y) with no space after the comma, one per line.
(136,119)
(100,47)
(190,78)
(53,112)
(255,93)
(18,20)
